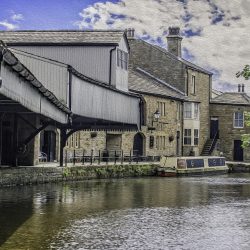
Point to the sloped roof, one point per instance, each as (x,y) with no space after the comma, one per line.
(187,63)
(61,37)
(142,82)
(12,61)
(232,98)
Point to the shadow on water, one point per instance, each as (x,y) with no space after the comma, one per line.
(16,207)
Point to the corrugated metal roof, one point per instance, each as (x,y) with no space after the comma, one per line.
(12,61)
(232,98)
(142,82)
(62,36)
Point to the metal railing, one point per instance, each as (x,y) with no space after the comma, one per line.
(216,136)
(78,156)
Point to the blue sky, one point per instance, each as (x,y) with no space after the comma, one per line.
(215,32)
(46,14)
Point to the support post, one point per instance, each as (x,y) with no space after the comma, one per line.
(62,145)
(1,137)
(15,141)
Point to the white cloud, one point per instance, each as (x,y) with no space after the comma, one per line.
(222,46)
(17,17)
(8,26)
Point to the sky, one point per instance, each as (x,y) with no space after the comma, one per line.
(215,32)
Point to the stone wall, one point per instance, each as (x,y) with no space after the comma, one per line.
(227,132)
(166,126)
(39,175)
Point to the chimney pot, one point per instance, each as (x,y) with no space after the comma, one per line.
(239,88)
(130,32)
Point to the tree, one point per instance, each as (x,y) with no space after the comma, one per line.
(244,73)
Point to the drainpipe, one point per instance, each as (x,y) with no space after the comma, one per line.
(182,129)
(70,86)
(110,64)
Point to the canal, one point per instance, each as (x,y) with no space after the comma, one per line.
(147,213)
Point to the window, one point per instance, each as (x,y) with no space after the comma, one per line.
(193,85)
(196,111)
(196,136)
(187,136)
(187,110)
(77,139)
(162,108)
(122,59)
(238,120)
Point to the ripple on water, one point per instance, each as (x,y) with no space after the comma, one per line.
(202,227)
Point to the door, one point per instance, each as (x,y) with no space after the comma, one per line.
(178,143)
(7,153)
(238,150)
(138,144)
(214,127)
(49,145)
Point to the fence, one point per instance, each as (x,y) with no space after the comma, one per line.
(106,156)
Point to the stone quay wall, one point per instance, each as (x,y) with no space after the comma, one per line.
(39,175)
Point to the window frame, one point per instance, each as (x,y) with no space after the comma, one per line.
(193,82)
(187,137)
(196,111)
(238,120)
(196,137)
(185,111)
(122,59)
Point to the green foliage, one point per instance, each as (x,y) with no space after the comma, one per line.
(66,172)
(246,137)
(244,73)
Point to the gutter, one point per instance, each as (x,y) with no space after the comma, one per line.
(110,64)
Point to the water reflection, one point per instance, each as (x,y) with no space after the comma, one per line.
(153,213)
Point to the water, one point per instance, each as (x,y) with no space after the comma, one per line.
(151,213)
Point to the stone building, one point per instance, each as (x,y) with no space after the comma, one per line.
(227,119)
(179,91)
(193,81)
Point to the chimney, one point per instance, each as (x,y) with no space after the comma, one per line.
(130,33)
(174,41)
(241,88)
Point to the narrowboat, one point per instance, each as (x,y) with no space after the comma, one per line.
(181,166)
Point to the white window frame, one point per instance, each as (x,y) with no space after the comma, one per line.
(187,136)
(196,137)
(122,59)
(190,111)
(193,87)
(237,121)
(196,110)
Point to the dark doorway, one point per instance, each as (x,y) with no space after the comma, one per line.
(178,143)
(138,144)
(7,153)
(238,150)
(49,145)
(214,127)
